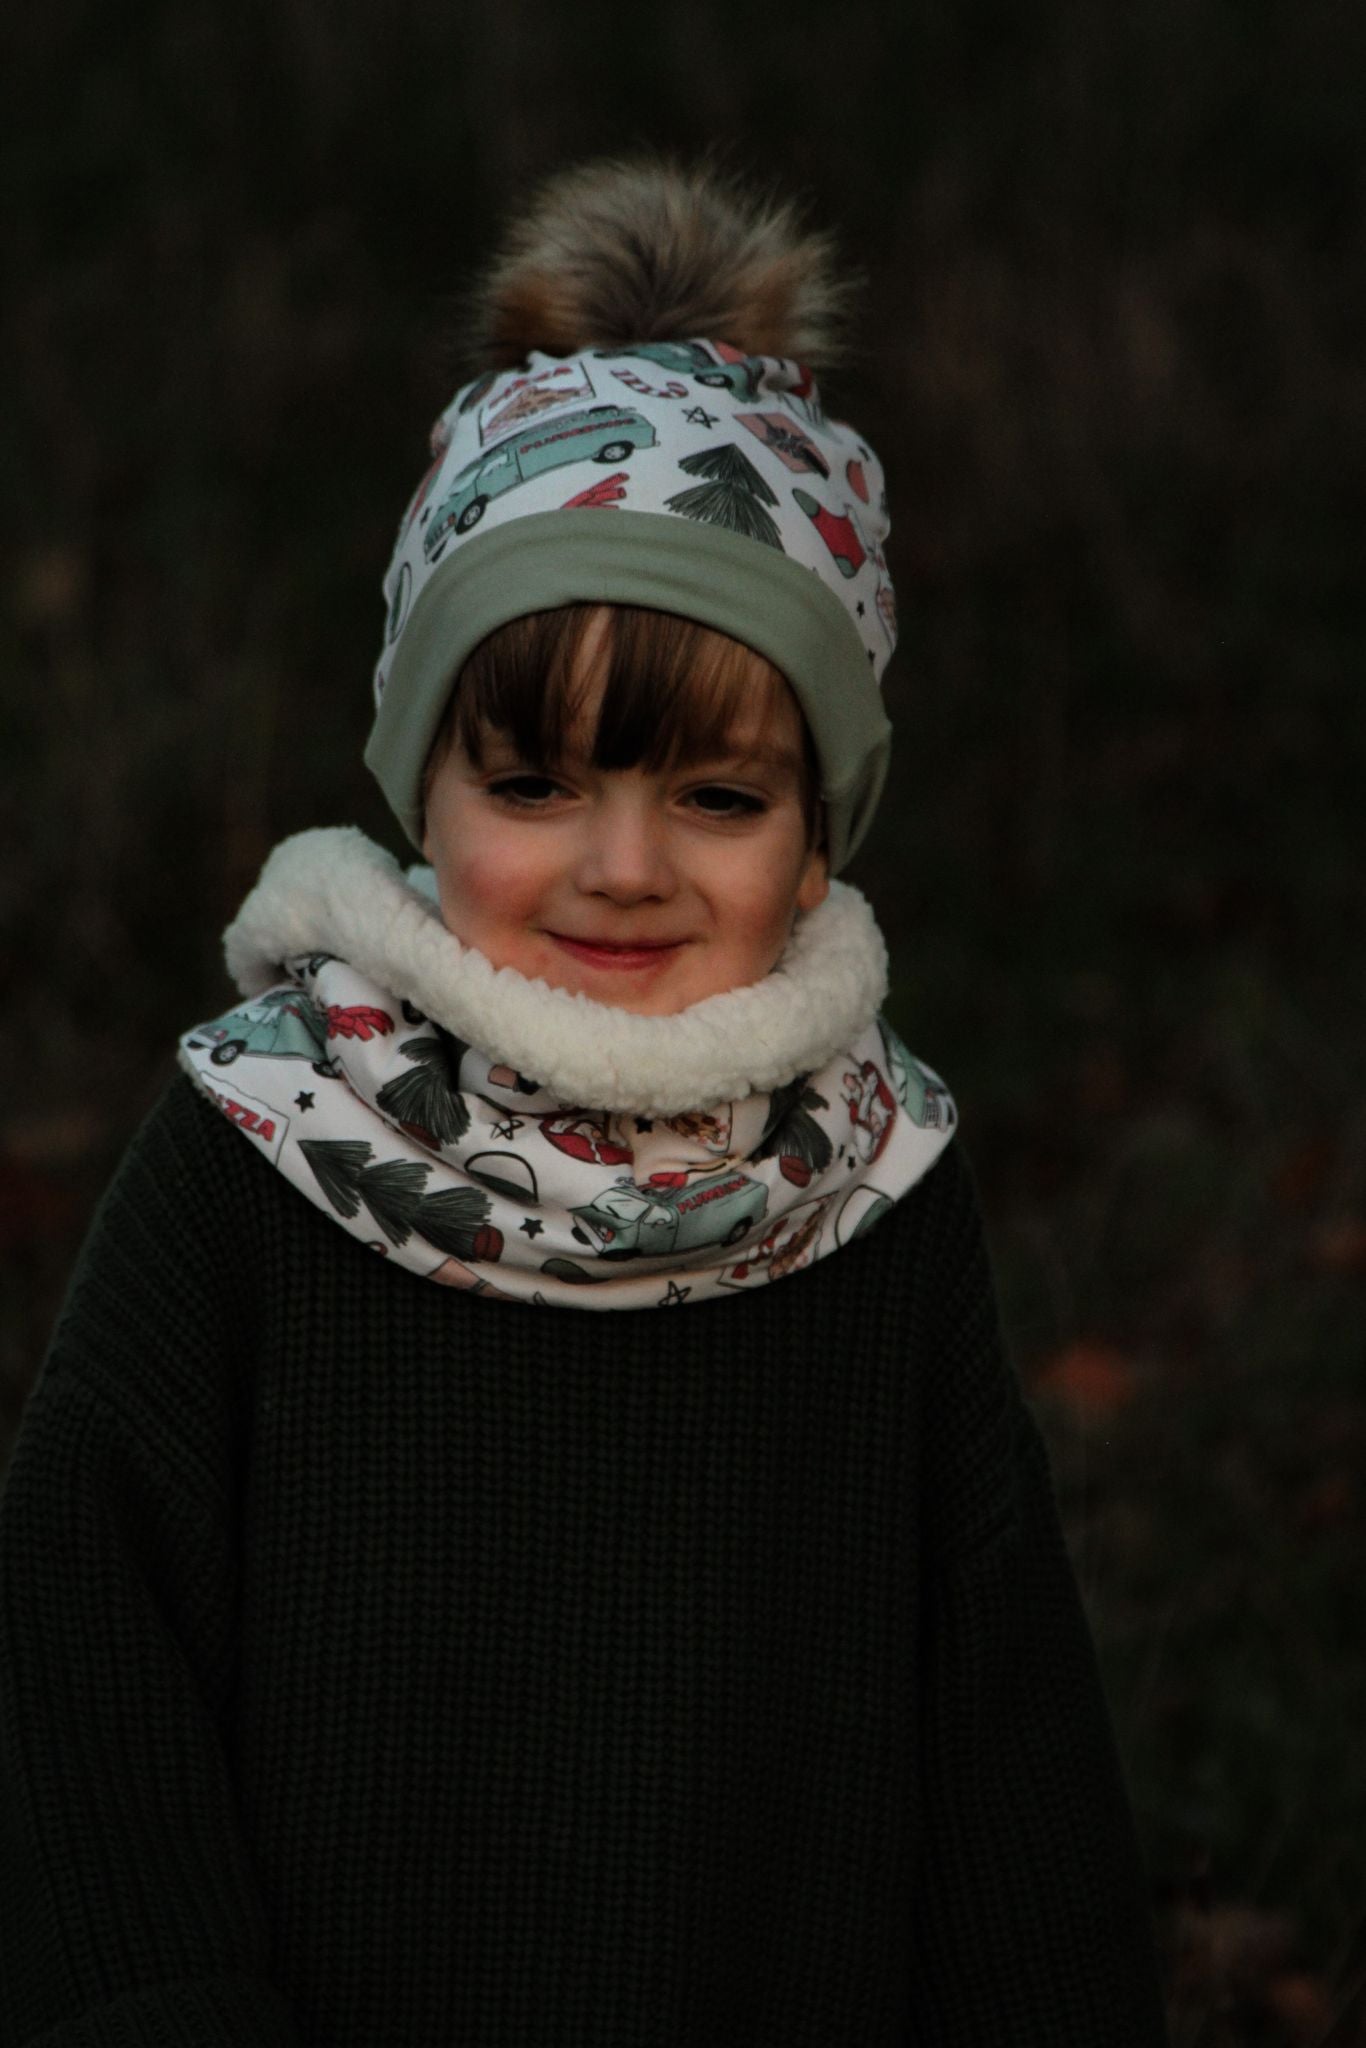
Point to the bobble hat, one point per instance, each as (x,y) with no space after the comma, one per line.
(686,476)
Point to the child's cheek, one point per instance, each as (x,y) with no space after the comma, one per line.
(489,881)
(759,923)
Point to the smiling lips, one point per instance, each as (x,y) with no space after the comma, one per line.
(639,954)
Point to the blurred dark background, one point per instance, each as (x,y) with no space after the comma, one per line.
(1113,354)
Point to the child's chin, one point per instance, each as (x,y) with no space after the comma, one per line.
(663,993)
(623,992)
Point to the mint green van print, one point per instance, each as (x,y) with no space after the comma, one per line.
(602,433)
(631,1222)
(280,1025)
(926,1100)
(690,359)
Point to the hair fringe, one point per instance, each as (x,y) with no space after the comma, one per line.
(672,689)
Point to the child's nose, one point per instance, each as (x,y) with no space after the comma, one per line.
(625,851)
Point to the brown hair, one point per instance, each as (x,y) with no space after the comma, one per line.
(672,691)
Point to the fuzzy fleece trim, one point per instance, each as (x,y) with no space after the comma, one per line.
(334,890)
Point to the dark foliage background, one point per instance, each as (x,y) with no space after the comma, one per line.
(1113,353)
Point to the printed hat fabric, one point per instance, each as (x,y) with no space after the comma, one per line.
(684,476)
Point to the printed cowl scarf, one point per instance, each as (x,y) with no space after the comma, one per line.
(495,1134)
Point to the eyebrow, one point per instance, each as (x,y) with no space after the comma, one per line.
(784,759)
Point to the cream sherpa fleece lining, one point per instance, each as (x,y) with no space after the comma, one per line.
(333,890)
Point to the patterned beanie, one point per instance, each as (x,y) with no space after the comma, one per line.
(685,476)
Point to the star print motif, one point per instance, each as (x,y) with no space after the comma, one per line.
(303,1099)
(698,416)
(674,1295)
(532,1226)
(507,1128)
(644,1125)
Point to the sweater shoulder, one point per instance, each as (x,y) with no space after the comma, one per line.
(980,1437)
(158,1307)
(182,1142)
(934,1234)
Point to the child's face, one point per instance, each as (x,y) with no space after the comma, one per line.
(646,890)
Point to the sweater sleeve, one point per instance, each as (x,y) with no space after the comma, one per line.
(1032,1923)
(128,1911)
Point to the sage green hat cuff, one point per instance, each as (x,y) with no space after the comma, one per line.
(755,593)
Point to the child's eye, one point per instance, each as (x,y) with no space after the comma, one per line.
(719,802)
(529,791)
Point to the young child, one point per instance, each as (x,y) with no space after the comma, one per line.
(502,1661)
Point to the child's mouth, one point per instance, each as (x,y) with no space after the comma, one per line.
(636,956)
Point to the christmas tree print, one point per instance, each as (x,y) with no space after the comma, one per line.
(456,1222)
(390,1191)
(734,495)
(793,1135)
(426,1101)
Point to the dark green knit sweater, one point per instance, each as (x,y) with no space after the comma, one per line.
(379,1665)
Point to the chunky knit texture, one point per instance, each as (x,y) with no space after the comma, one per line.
(381,1666)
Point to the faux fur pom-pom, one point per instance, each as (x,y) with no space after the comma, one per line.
(644,248)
